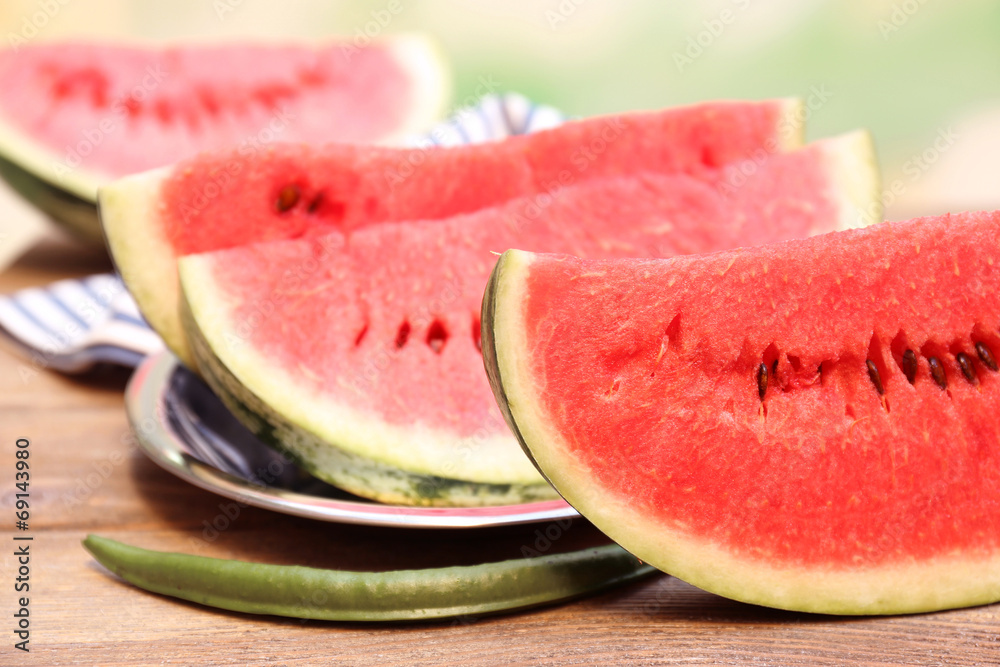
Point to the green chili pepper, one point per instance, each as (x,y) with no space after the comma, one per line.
(401,595)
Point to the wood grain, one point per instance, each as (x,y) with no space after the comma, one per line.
(87,476)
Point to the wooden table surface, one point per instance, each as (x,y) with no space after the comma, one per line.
(86,477)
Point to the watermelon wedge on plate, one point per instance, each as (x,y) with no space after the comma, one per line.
(76,116)
(227,198)
(811,425)
(358,352)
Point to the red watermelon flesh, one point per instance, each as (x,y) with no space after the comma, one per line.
(811,425)
(116,110)
(342,187)
(384,322)
(225,198)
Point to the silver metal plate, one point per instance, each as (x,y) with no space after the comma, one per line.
(182,426)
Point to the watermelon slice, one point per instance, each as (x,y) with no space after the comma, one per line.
(74,117)
(811,425)
(358,353)
(225,199)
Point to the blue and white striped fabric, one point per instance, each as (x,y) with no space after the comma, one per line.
(71,325)
(494,117)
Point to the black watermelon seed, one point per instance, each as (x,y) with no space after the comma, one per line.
(965,363)
(937,372)
(287,198)
(762,380)
(910,366)
(986,357)
(873,374)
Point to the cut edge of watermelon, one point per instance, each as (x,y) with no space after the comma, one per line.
(886,589)
(425,62)
(418,55)
(68,194)
(855,180)
(305,419)
(142,254)
(129,216)
(42,163)
(792,115)
(65,195)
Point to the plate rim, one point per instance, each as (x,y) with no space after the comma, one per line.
(145,406)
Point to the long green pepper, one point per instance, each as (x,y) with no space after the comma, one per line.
(400,595)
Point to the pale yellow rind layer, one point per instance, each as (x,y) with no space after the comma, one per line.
(130,217)
(422,59)
(416,448)
(905,587)
(855,181)
(791,124)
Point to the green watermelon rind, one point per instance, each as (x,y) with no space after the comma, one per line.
(892,589)
(345,449)
(69,195)
(78,215)
(42,163)
(69,199)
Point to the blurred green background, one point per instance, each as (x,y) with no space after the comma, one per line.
(922,75)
